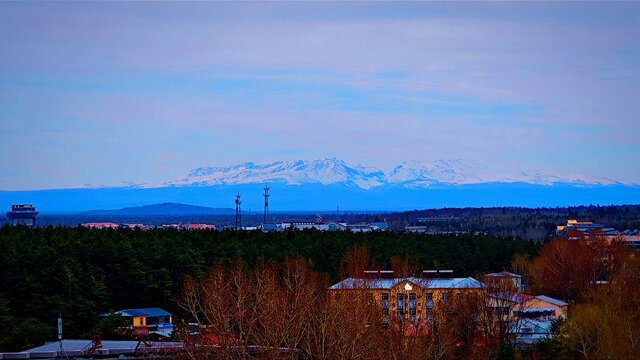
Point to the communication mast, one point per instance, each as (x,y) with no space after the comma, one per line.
(61,351)
(266,204)
(238,212)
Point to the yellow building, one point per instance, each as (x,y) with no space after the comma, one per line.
(408,299)
(153,320)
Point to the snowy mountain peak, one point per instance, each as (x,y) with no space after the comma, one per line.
(323,171)
(409,173)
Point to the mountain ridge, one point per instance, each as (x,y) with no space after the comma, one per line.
(165,208)
(331,171)
(409,173)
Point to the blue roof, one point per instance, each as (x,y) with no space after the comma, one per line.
(551,300)
(149,312)
(387,284)
(270,226)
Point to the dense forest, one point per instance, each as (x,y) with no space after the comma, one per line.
(82,272)
(528,223)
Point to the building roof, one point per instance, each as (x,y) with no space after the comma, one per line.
(387,284)
(513,297)
(551,300)
(150,312)
(504,274)
(270,226)
(76,348)
(381,225)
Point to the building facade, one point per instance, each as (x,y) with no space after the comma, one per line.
(24,214)
(410,299)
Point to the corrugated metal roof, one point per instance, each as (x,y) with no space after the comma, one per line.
(387,284)
(71,345)
(551,300)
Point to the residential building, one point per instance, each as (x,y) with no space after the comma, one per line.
(557,308)
(495,278)
(155,320)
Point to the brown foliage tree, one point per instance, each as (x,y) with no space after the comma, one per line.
(356,261)
(564,269)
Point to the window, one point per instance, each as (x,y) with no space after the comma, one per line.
(385,308)
(428,301)
(413,299)
(459,296)
(141,320)
(400,305)
(445,297)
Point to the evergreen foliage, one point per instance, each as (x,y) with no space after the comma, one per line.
(81,272)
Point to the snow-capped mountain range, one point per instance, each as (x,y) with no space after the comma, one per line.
(334,171)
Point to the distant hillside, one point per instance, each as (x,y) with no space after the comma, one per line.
(314,197)
(167,208)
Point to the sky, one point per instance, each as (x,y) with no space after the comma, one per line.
(107,92)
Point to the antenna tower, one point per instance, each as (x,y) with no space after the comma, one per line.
(238,212)
(266,204)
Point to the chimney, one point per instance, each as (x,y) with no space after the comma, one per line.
(386,274)
(437,274)
(372,274)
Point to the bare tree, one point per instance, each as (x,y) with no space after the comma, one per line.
(502,304)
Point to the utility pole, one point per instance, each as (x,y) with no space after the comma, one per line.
(238,212)
(266,204)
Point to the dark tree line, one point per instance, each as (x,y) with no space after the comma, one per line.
(82,272)
(528,223)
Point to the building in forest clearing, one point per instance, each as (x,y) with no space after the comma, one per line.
(151,320)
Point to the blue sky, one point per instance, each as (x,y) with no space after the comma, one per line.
(100,93)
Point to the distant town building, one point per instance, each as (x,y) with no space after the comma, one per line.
(101,225)
(24,214)
(189,226)
(333,226)
(270,227)
(587,230)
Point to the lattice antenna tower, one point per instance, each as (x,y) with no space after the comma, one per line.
(238,211)
(266,204)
